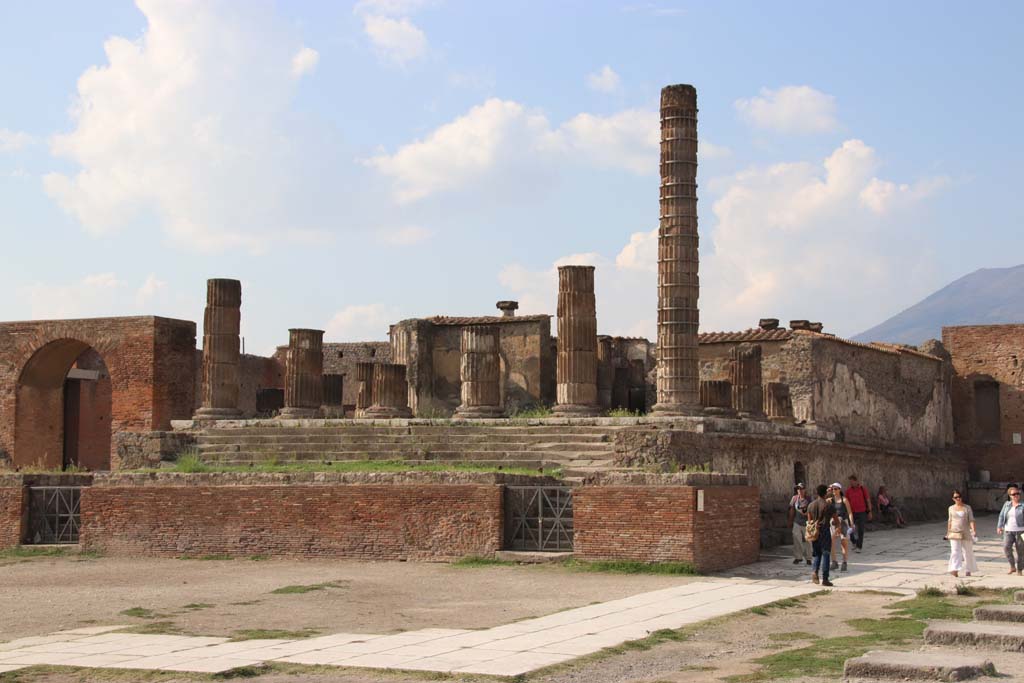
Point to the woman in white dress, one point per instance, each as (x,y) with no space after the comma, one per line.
(961,532)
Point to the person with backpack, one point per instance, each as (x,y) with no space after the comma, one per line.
(819,517)
(860,505)
(798,523)
(842,524)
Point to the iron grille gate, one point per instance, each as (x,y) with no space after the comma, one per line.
(538,518)
(53,514)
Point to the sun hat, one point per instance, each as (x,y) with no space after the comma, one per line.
(837,485)
(800,486)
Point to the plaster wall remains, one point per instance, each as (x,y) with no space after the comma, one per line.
(341,359)
(988,397)
(255,374)
(430,349)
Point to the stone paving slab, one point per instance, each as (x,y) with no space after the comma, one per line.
(936,666)
(1013,613)
(995,635)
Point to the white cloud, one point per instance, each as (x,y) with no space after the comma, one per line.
(882,196)
(709,151)
(13,140)
(389,7)
(364,322)
(641,253)
(189,123)
(396,38)
(152,287)
(790,109)
(629,139)
(99,294)
(304,61)
(604,80)
(405,236)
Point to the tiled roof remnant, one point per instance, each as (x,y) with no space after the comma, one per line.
(486,319)
(751,335)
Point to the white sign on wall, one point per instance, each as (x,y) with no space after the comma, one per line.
(700,500)
(1016,439)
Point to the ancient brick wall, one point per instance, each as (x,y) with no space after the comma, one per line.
(389,520)
(650,522)
(989,356)
(341,359)
(12,506)
(150,361)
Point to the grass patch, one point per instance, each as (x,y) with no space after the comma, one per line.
(531,413)
(31,552)
(623,412)
(791,636)
(259,558)
(272,634)
(631,567)
(192,464)
(241,672)
(198,606)
(930,592)
(246,602)
(309,588)
(139,613)
(963,589)
(926,607)
(479,561)
(156,628)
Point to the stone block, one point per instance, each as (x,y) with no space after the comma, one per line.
(932,666)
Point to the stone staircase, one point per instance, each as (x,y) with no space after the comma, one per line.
(576,449)
(996,628)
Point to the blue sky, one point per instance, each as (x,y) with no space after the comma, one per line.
(358,164)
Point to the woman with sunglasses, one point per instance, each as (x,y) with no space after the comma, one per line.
(961,532)
(1011,520)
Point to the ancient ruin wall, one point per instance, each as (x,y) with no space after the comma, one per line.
(341,359)
(12,506)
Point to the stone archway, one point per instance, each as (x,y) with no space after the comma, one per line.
(63,408)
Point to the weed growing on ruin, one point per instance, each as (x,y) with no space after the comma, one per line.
(190,463)
(624,412)
(273,634)
(630,567)
(531,413)
(930,592)
(295,590)
(963,589)
(479,561)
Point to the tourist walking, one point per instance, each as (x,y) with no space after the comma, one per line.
(798,523)
(1011,521)
(961,532)
(842,523)
(860,504)
(819,517)
(887,506)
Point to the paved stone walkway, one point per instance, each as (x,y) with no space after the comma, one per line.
(902,560)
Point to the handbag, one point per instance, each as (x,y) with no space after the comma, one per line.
(954,535)
(811,531)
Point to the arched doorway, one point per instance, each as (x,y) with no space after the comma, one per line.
(63,408)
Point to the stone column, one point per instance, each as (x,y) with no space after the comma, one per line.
(576,368)
(364,390)
(605,372)
(678,286)
(221,322)
(777,404)
(480,372)
(334,396)
(745,369)
(716,396)
(390,392)
(303,374)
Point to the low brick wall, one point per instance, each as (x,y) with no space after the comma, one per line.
(654,518)
(421,516)
(12,507)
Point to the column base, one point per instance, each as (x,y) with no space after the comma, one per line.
(676,410)
(387,413)
(292,413)
(760,417)
(717,412)
(575,410)
(218,414)
(479,412)
(332,412)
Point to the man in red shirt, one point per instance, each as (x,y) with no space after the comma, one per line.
(860,504)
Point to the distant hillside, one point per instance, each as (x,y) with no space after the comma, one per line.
(985,297)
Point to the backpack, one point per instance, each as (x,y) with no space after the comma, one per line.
(812,530)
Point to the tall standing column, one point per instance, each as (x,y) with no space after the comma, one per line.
(480,372)
(390,392)
(745,372)
(576,368)
(221,324)
(364,388)
(303,374)
(678,284)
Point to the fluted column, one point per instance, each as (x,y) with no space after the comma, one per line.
(778,405)
(303,374)
(605,372)
(576,368)
(480,372)
(364,388)
(221,323)
(745,371)
(678,284)
(716,396)
(390,392)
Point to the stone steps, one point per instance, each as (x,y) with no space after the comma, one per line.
(931,666)
(992,635)
(1003,613)
(356,430)
(411,449)
(537,465)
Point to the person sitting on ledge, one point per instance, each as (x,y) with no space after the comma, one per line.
(888,508)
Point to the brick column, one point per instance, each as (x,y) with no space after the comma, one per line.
(303,374)
(778,405)
(576,368)
(678,285)
(605,372)
(390,392)
(221,322)
(745,370)
(364,389)
(480,372)
(716,397)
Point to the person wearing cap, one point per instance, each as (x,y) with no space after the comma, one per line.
(842,522)
(798,523)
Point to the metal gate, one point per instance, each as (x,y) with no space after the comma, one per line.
(538,518)
(53,514)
